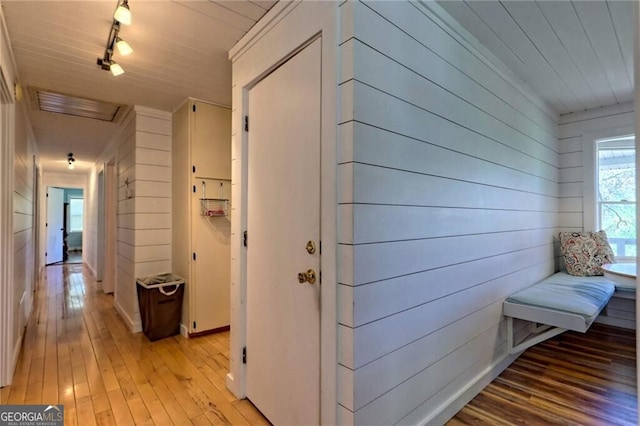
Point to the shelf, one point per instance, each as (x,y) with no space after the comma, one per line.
(214,207)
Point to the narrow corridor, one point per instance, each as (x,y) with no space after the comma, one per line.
(78,352)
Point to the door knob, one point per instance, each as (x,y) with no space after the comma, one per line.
(307,277)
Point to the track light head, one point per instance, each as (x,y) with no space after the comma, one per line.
(115,69)
(123,47)
(123,13)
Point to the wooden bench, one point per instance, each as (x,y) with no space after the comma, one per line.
(554,305)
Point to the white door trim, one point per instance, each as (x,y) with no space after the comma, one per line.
(60,180)
(286,28)
(7,123)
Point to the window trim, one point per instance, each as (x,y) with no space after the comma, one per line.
(590,176)
(589,164)
(75,197)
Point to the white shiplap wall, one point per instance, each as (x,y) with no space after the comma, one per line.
(24,275)
(451,204)
(578,133)
(90,249)
(144,218)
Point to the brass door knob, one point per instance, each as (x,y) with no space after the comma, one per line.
(307,277)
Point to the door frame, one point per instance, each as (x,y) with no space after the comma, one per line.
(100,249)
(60,180)
(286,29)
(8,354)
(110,226)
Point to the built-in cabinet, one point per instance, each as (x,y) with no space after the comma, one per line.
(201,185)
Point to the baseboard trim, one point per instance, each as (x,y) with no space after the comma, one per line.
(212,331)
(94,274)
(461,398)
(134,326)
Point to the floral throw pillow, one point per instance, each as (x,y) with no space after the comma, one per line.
(585,252)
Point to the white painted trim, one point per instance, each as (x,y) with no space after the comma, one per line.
(591,114)
(150,112)
(91,270)
(263,26)
(282,31)
(192,99)
(133,326)
(7,125)
(461,398)
(61,180)
(589,139)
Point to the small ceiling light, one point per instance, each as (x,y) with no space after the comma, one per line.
(115,69)
(123,47)
(123,13)
(70,160)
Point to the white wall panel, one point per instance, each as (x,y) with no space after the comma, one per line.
(144,205)
(448,202)
(578,132)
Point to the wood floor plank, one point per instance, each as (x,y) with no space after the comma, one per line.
(78,352)
(572,379)
(119,407)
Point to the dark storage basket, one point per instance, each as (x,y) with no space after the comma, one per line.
(160,302)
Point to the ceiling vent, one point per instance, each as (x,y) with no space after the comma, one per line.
(59,103)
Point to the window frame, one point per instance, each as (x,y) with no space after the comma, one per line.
(590,173)
(70,229)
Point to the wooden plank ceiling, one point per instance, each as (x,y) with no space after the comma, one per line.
(180,50)
(576,55)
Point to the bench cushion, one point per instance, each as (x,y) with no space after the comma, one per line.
(565,293)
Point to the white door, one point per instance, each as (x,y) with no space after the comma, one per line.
(55,206)
(283,214)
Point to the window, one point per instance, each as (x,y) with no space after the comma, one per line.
(616,194)
(75,214)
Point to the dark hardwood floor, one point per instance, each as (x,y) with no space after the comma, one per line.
(572,379)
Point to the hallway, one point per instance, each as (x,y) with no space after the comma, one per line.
(78,352)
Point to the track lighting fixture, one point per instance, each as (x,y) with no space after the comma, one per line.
(70,160)
(122,15)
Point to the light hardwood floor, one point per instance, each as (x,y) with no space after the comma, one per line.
(78,352)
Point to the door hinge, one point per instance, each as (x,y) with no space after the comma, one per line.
(194,325)
(46,225)
(246,123)
(244,238)
(244,355)
(194,256)
(193,169)
(320,247)
(47,195)
(194,108)
(46,254)
(194,189)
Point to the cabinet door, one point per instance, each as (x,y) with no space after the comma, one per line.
(210,271)
(211,141)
